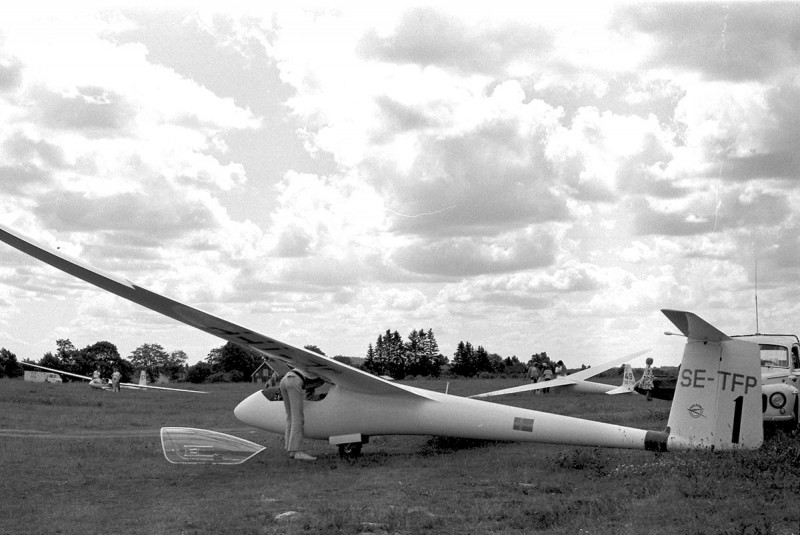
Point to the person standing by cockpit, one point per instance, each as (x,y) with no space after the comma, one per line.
(295,386)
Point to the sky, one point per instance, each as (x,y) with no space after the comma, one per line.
(526,179)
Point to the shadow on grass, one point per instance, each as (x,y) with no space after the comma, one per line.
(439,445)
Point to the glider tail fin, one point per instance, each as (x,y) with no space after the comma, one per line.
(628,382)
(628,379)
(717,401)
(142,378)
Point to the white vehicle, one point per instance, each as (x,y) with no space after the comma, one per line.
(718,405)
(42,377)
(780,376)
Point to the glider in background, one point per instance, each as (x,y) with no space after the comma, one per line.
(100,384)
(717,403)
(578,381)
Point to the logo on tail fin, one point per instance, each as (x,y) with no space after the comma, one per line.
(696,411)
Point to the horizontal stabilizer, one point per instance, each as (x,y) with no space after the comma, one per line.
(694,327)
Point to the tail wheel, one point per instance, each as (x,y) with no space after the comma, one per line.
(351,450)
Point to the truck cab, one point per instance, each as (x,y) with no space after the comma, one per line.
(780,358)
(780,376)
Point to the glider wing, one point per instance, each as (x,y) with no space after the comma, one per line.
(334,372)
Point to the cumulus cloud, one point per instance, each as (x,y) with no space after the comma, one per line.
(473,256)
(738,41)
(714,212)
(89,109)
(333,215)
(471,167)
(426,36)
(10,72)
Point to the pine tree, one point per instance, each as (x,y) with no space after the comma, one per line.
(392,356)
(462,360)
(481,361)
(434,358)
(414,354)
(369,360)
(380,360)
(396,354)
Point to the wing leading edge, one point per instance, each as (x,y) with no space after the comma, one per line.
(332,371)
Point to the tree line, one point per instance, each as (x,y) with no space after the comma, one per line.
(418,356)
(228,363)
(390,355)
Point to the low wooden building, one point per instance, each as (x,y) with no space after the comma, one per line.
(262,373)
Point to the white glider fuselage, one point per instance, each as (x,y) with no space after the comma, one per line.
(345,412)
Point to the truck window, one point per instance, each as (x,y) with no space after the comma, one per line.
(772,355)
(795,358)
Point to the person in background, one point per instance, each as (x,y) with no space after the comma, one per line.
(295,386)
(561,369)
(534,374)
(547,375)
(646,382)
(273,379)
(115,378)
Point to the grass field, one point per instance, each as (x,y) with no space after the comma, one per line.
(74,460)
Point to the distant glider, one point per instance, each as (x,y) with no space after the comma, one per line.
(577,382)
(717,403)
(100,384)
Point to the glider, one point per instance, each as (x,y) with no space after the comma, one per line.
(100,384)
(717,403)
(577,382)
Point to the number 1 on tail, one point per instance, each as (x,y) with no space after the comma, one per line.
(738,405)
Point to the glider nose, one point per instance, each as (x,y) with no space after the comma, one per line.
(248,410)
(256,411)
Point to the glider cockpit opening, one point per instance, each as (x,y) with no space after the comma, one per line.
(273,393)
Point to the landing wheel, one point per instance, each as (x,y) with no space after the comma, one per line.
(351,450)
